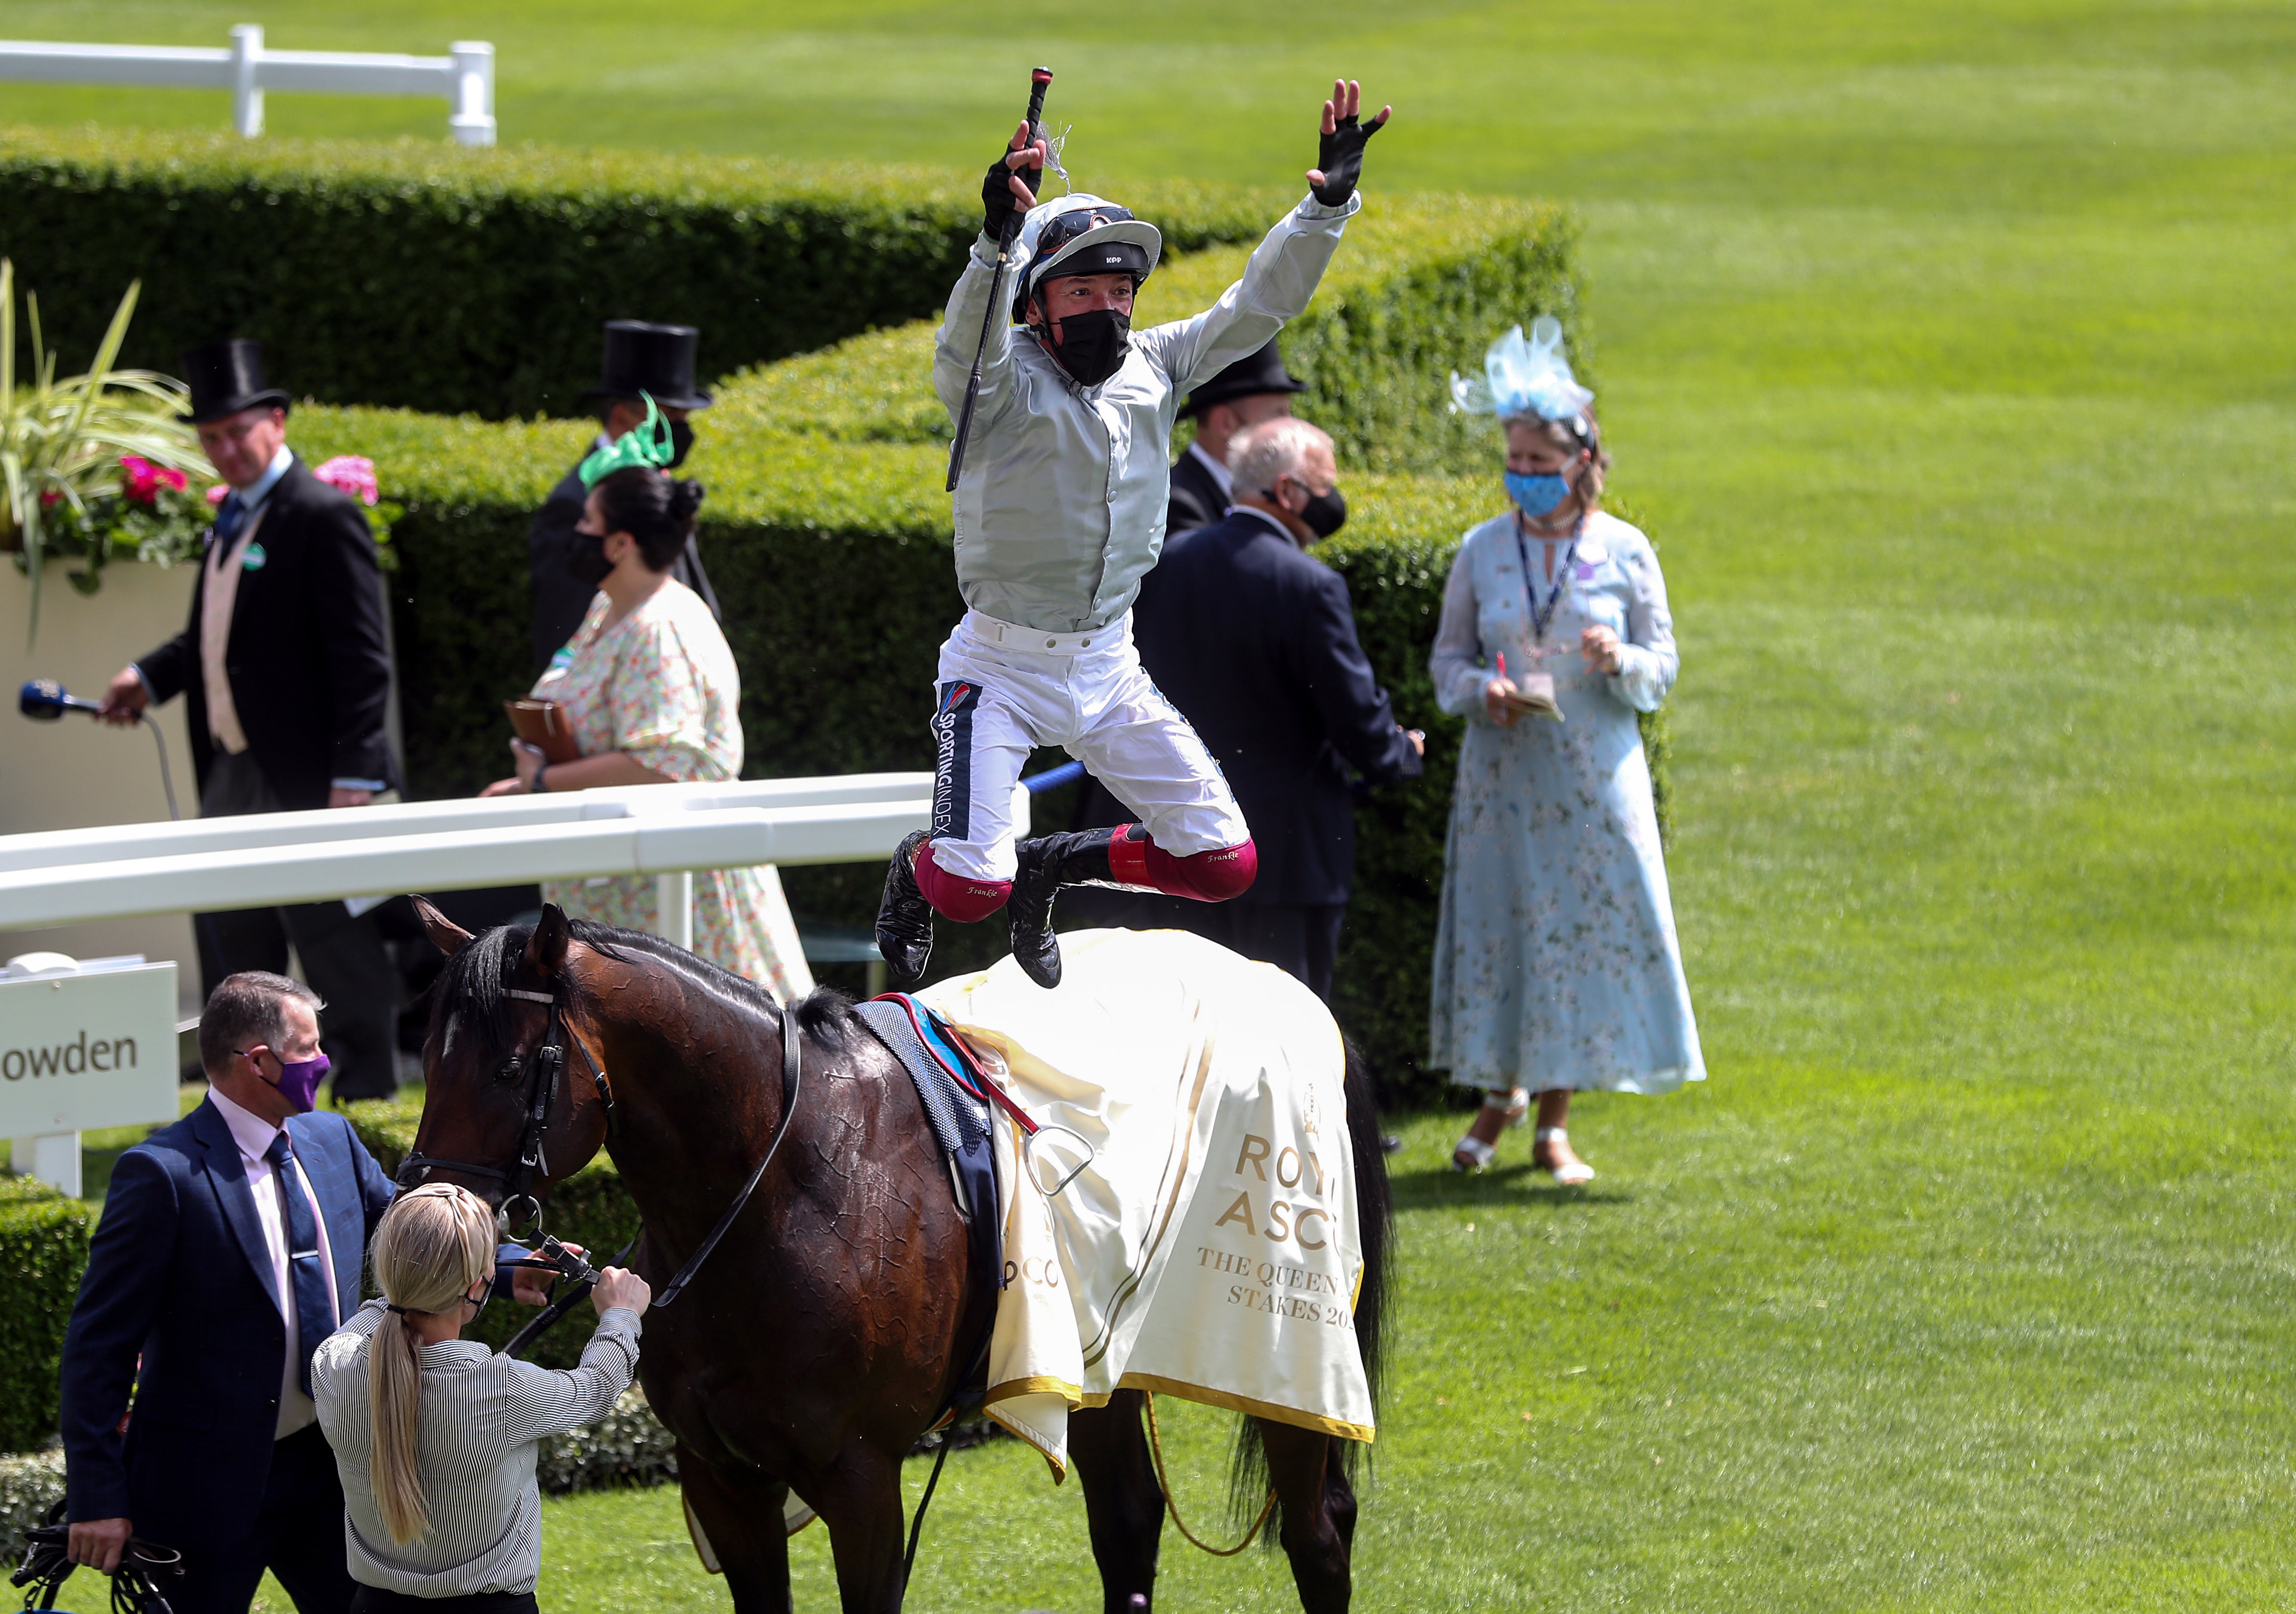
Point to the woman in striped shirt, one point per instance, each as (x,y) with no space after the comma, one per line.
(435,1434)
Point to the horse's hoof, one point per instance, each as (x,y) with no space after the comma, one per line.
(904,927)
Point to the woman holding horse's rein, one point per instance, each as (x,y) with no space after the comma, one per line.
(651,693)
(1556,964)
(435,1434)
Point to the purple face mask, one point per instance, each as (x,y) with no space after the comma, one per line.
(298,1081)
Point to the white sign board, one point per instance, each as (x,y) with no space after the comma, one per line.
(80,1052)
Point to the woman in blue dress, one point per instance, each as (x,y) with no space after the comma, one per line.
(1556,967)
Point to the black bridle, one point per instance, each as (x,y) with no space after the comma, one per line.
(546,1067)
(549,1063)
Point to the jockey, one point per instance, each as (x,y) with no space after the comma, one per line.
(1060,510)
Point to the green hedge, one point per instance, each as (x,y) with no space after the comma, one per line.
(43,1249)
(433,277)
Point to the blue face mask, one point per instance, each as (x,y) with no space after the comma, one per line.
(1537,495)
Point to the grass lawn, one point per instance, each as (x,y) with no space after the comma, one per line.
(1951,349)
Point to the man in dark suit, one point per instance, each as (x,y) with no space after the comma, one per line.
(286,674)
(1247,392)
(1254,640)
(230,1244)
(654,360)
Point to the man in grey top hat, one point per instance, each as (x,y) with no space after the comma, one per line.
(641,361)
(1254,389)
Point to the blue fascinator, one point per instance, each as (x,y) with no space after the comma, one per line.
(1522,379)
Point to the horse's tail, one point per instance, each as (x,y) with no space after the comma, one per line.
(1247,1480)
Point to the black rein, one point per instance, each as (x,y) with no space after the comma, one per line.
(519,1180)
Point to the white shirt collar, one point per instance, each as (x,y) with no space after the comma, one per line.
(250,497)
(1282,531)
(1220,474)
(252,1133)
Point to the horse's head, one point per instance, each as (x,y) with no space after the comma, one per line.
(514,1095)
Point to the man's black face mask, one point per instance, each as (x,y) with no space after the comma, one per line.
(1327,513)
(681,442)
(1091,345)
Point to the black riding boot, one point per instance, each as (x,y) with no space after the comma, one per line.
(1047,865)
(904,918)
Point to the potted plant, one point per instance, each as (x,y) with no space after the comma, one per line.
(97,465)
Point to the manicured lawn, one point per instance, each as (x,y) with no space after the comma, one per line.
(1952,351)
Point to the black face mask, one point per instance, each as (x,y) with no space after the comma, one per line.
(1325,514)
(1091,345)
(681,442)
(586,559)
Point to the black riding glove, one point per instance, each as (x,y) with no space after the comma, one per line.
(1340,159)
(997,202)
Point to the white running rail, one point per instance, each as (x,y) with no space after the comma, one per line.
(464,77)
(669,831)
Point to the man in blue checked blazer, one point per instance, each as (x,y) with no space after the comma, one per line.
(230,1244)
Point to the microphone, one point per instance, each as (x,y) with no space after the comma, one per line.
(44,701)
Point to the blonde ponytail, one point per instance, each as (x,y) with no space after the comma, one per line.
(435,1241)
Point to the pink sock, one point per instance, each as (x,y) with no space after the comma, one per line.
(954,896)
(1213,876)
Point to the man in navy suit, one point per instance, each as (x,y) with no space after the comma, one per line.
(1254,640)
(230,1244)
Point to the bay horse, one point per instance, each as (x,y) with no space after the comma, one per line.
(829,1329)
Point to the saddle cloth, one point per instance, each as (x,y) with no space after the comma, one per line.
(1209,1249)
(959,1121)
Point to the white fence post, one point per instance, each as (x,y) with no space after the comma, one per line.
(673,897)
(54,1158)
(472,98)
(466,79)
(246,95)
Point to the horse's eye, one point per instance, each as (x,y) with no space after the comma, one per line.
(509,1070)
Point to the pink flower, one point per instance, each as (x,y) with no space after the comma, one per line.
(50,497)
(141,480)
(217,493)
(352,473)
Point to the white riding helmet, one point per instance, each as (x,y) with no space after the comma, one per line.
(1082,234)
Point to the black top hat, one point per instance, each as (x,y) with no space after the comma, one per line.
(226,377)
(1248,377)
(653,359)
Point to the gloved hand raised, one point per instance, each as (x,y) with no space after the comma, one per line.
(1011,183)
(1339,158)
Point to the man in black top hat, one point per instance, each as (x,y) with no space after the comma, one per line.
(641,358)
(1252,389)
(285,672)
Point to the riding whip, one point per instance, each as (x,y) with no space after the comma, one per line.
(1038,82)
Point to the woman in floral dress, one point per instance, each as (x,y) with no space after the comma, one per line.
(1556,966)
(651,694)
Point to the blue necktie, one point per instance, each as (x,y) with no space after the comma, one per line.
(230,516)
(314,1313)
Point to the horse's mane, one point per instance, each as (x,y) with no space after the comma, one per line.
(470,991)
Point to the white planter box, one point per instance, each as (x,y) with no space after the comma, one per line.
(78,773)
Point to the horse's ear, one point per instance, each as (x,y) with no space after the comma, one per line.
(545,949)
(446,935)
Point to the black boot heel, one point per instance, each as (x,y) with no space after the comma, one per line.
(904,918)
(1047,865)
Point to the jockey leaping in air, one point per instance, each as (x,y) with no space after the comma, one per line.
(1060,511)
